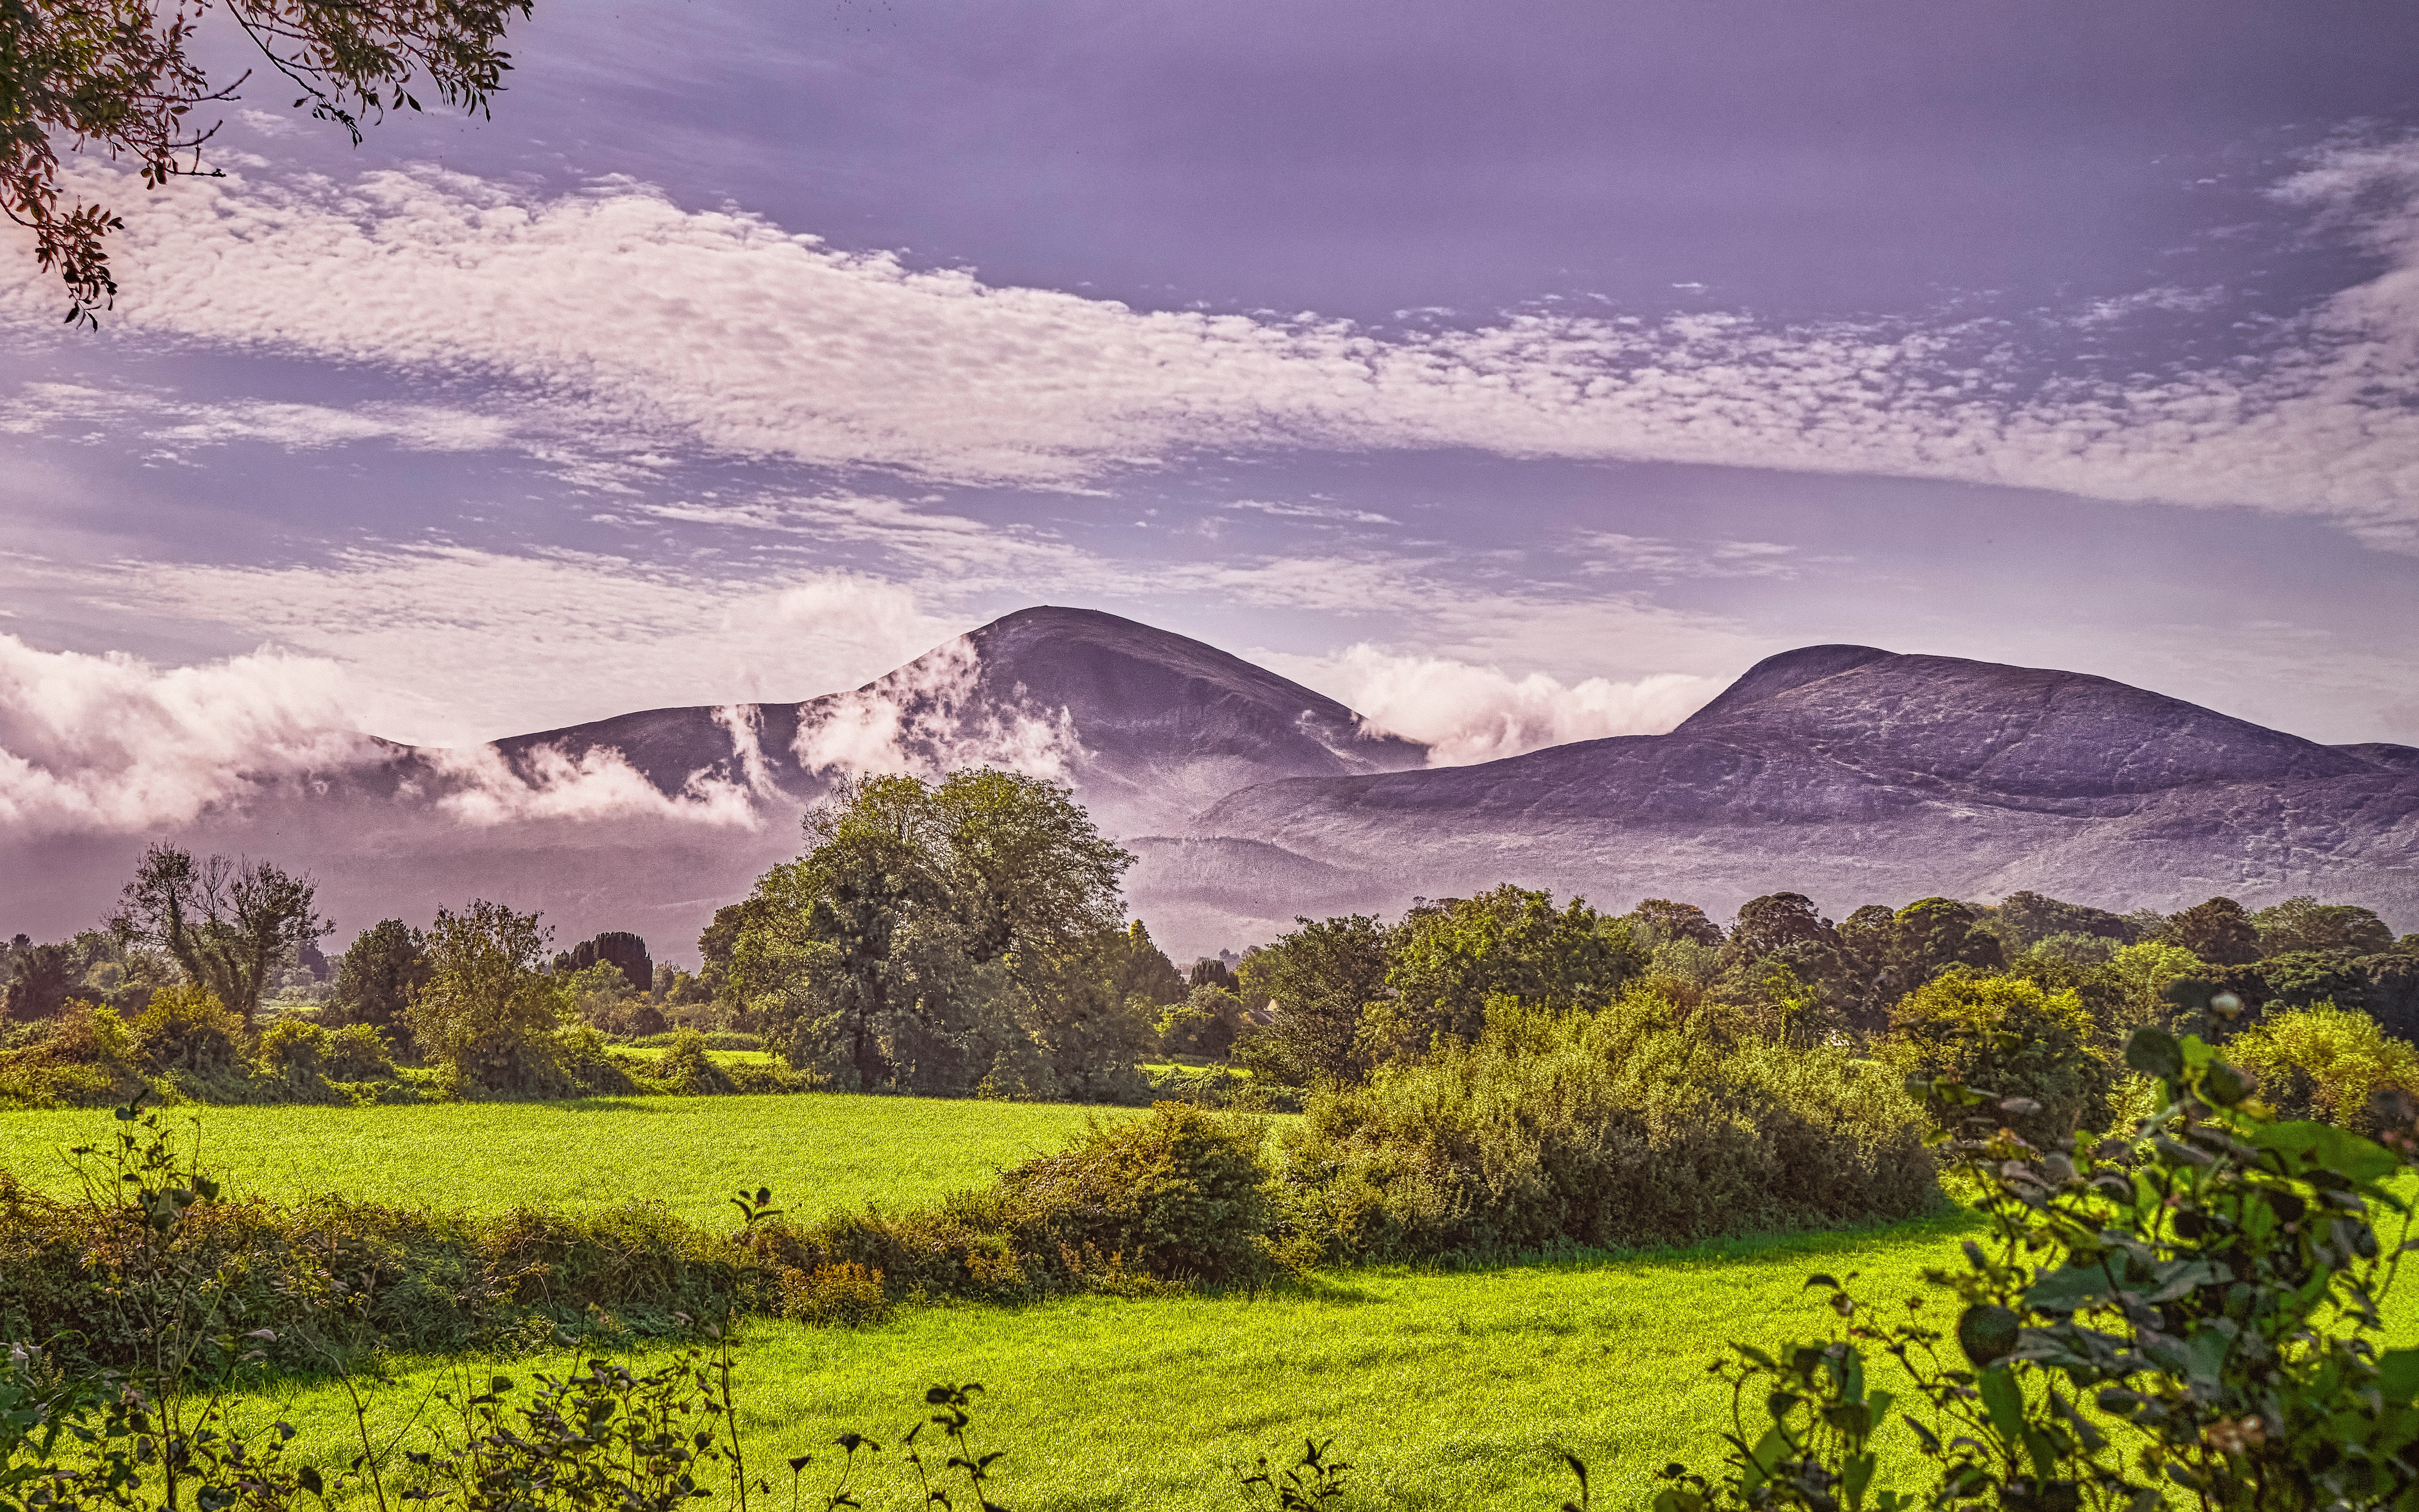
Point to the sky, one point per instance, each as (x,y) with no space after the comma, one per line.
(1516,373)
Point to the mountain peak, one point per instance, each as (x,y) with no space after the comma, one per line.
(1781,674)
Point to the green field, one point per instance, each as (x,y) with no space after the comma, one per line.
(1445,1389)
(819,1153)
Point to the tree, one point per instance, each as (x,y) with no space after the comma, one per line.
(1671,921)
(1775,921)
(2218,931)
(2007,1034)
(376,977)
(625,952)
(2303,923)
(1315,982)
(1450,957)
(487,1007)
(121,76)
(1144,971)
(937,938)
(230,926)
(38,979)
(2025,918)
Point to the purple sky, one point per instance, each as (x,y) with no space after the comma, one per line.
(1516,373)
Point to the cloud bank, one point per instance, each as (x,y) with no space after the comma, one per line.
(114,743)
(721,331)
(1465,713)
(929,717)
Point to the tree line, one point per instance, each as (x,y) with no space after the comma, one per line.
(969,936)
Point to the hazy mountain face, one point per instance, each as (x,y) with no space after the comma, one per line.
(1852,775)
(1847,773)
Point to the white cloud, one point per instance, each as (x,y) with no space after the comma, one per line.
(1465,713)
(1609,552)
(632,323)
(478,785)
(448,645)
(1284,509)
(114,743)
(929,717)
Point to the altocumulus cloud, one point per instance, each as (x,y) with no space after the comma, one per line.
(620,312)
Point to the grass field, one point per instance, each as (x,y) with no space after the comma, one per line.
(1445,1389)
(818,1154)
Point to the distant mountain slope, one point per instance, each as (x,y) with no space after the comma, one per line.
(648,821)
(1855,775)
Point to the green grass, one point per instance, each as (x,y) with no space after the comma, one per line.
(1445,1389)
(818,1153)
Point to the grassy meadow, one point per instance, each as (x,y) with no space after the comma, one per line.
(819,1154)
(1444,1389)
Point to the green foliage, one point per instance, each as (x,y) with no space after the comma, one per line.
(2326,1063)
(846,1295)
(1206,1023)
(1177,1195)
(2300,978)
(2026,920)
(230,927)
(34,980)
(1666,921)
(940,939)
(188,1028)
(2303,923)
(2219,931)
(2184,1316)
(1316,982)
(487,1013)
(378,975)
(124,78)
(1141,970)
(1449,959)
(2007,1033)
(686,1069)
(1635,1125)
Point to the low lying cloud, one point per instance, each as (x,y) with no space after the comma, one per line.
(451,645)
(734,335)
(1465,713)
(114,743)
(932,717)
(478,785)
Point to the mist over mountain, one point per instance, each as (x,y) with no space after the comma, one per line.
(1851,774)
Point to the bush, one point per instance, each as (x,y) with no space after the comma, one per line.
(1636,1125)
(2010,1034)
(188,1028)
(2186,1315)
(2325,1063)
(1180,1196)
(686,1070)
(834,1296)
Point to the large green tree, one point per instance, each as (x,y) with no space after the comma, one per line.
(934,937)
(378,975)
(487,1007)
(230,926)
(126,78)
(1450,957)
(1307,992)
(2219,931)
(2303,923)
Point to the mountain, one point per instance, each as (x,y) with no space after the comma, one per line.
(1855,775)
(1850,774)
(650,821)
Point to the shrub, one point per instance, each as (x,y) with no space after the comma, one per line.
(2188,1316)
(187,1028)
(2007,1033)
(1179,1195)
(2325,1063)
(1635,1125)
(356,1053)
(686,1069)
(846,1295)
